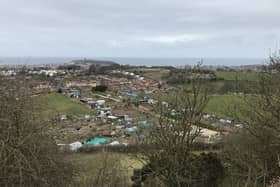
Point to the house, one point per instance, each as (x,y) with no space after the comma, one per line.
(112,118)
(152,101)
(63,117)
(143,125)
(130,130)
(86,100)
(103,112)
(8,73)
(100,102)
(74,93)
(81,84)
(164,104)
(115,143)
(143,108)
(132,95)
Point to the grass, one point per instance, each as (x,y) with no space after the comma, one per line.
(220,105)
(55,103)
(156,74)
(215,84)
(250,76)
(89,165)
(223,105)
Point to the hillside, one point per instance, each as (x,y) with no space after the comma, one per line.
(94,62)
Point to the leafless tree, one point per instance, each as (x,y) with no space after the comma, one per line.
(252,153)
(28,155)
(171,159)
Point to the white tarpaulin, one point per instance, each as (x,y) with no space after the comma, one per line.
(75,146)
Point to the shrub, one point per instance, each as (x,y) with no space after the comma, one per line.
(100,88)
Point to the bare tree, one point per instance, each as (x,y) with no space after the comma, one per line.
(171,158)
(252,153)
(28,155)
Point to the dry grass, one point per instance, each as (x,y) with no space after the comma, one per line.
(104,169)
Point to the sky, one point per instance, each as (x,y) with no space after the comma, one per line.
(142,28)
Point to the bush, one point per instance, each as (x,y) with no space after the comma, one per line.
(195,170)
(100,88)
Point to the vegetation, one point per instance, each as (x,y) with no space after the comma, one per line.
(69,67)
(252,154)
(96,69)
(172,154)
(224,105)
(220,82)
(234,75)
(220,105)
(104,168)
(185,76)
(100,88)
(28,155)
(55,103)
(194,170)
(172,161)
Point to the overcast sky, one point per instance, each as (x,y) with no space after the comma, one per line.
(139,28)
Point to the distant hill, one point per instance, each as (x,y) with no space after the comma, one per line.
(95,62)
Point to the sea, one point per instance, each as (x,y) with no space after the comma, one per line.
(136,61)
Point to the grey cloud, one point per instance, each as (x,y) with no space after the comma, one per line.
(125,27)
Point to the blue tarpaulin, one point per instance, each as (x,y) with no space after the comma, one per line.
(97,141)
(132,129)
(143,125)
(133,95)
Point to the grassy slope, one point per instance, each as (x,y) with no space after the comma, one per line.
(223,105)
(250,76)
(55,103)
(220,105)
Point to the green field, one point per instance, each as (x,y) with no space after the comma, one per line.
(250,76)
(220,105)
(55,103)
(223,105)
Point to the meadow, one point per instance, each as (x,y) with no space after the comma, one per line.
(228,75)
(55,103)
